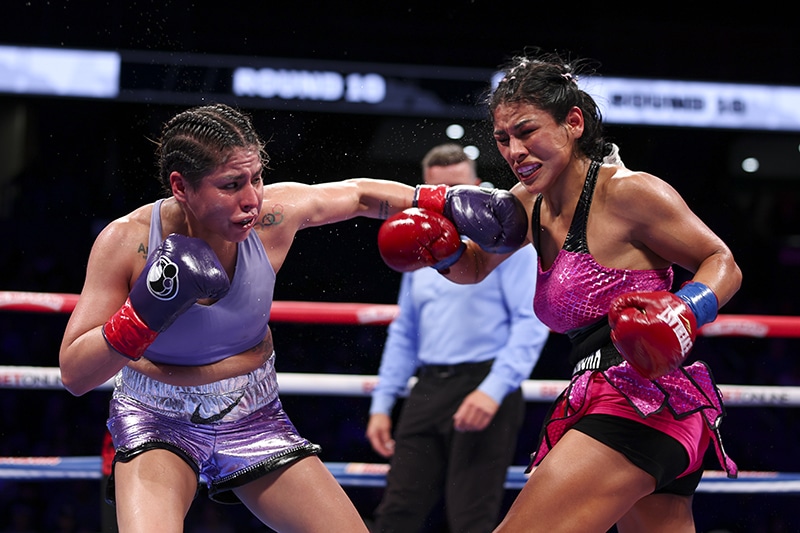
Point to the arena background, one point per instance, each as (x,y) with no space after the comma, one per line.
(85,162)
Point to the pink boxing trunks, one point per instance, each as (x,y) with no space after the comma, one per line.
(670,404)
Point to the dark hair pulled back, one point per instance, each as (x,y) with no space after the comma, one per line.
(550,82)
(198,140)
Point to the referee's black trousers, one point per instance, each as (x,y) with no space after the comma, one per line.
(432,461)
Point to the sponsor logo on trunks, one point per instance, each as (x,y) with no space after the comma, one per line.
(162,279)
(197,419)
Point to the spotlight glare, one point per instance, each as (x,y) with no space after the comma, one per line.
(472,152)
(455,131)
(750,164)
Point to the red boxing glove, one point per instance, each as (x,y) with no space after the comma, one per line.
(416,238)
(654,331)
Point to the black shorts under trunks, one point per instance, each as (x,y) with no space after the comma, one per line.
(655,452)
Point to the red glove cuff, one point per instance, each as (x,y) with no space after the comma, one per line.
(127,334)
(430,197)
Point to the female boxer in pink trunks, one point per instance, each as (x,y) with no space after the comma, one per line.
(625,441)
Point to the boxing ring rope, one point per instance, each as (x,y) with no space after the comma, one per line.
(373,474)
(282,311)
(49,378)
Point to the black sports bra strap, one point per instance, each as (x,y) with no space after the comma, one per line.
(535,225)
(576,237)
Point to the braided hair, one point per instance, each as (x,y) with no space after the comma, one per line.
(197,141)
(550,83)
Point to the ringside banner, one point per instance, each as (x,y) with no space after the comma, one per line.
(696,104)
(59,72)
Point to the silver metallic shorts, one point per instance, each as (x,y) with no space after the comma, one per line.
(230,432)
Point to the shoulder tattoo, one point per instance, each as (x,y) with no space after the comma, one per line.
(272,218)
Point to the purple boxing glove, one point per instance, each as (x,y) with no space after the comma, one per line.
(180,271)
(495,219)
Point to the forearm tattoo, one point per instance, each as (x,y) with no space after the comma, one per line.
(383,210)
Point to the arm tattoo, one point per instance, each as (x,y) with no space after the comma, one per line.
(271,219)
(383,210)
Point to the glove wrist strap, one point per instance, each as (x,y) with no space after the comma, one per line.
(444,265)
(701,300)
(127,333)
(430,197)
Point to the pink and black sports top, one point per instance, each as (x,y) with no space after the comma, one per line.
(208,333)
(577,291)
(573,297)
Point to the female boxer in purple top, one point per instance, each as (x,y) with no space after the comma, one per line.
(176,305)
(625,441)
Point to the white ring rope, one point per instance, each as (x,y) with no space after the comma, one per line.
(49,378)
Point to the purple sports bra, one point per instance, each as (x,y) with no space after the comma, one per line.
(208,333)
(576,291)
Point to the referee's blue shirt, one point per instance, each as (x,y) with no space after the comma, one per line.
(443,323)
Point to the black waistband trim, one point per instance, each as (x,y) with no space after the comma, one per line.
(601,359)
(588,340)
(592,348)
